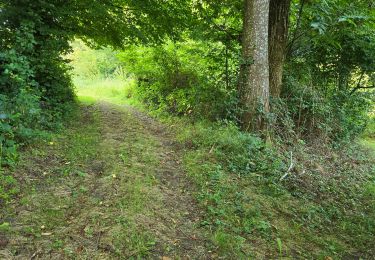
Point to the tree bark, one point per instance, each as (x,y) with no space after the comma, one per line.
(278,39)
(254,70)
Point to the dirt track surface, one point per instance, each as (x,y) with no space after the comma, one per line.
(128,198)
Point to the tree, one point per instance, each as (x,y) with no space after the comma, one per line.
(254,68)
(35,83)
(278,39)
(48,27)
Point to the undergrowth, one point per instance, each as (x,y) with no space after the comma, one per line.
(322,207)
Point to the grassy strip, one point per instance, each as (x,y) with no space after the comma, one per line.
(82,197)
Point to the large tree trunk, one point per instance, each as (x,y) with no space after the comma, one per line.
(278,39)
(254,71)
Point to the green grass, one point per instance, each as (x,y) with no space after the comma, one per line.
(369,142)
(368,138)
(252,213)
(324,208)
(87,185)
(116,91)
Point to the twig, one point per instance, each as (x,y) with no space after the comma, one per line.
(98,240)
(359,85)
(290,167)
(35,255)
(212,149)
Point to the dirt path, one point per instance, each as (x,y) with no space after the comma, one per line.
(112,187)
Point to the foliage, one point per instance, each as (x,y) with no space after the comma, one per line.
(307,114)
(317,211)
(321,206)
(94,64)
(35,38)
(328,97)
(181,79)
(332,44)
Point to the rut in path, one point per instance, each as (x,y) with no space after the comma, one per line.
(136,200)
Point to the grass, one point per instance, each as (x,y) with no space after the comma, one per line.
(82,196)
(116,91)
(369,142)
(323,209)
(368,139)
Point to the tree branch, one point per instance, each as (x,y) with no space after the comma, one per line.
(361,87)
(359,84)
(298,24)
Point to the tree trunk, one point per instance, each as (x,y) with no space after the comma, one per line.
(278,39)
(254,71)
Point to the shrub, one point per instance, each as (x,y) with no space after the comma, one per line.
(179,79)
(309,113)
(19,121)
(34,82)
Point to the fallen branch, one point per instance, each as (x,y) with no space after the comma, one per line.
(290,167)
(212,149)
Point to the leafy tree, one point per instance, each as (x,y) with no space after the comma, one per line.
(332,45)
(35,36)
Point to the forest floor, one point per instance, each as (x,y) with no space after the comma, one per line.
(110,186)
(118,184)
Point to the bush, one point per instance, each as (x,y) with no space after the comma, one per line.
(36,90)
(179,79)
(309,113)
(20,123)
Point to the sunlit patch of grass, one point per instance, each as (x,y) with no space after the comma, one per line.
(369,142)
(368,138)
(117,91)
